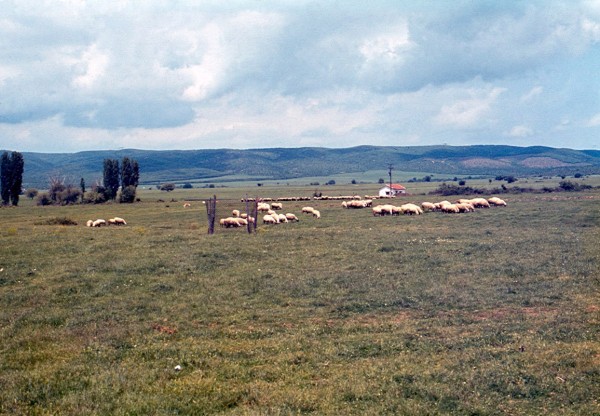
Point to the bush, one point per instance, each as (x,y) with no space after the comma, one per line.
(94,197)
(68,196)
(31,193)
(187,185)
(168,187)
(57,221)
(127,194)
(44,199)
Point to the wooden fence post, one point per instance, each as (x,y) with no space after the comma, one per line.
(211,211)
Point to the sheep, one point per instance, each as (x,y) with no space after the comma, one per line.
(117,221)
(411,209)
(427,206)
(291,217)
(307,210)
(465,207)
(187,205)
(450,208)
(99,223)
(89,223)
(316,214)
(497,201)
(480,203)
(377,211)
(235,213)
(344,204)
(263,207)
(233,222)
(268,219)
(282,218)
(276,205)
(396,210)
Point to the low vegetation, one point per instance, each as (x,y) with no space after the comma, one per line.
(484,313)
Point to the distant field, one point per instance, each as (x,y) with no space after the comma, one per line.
(487,313)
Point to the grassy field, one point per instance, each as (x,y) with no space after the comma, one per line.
(494,312)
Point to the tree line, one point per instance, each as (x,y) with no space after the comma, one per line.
(11,177)
(123,176)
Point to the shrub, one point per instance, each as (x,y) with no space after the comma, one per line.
(127,194)
(187,185)
(168,187)
(31,193)
(43,199)
(94,197)
(57,221)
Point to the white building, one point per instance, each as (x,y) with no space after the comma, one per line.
(396,189)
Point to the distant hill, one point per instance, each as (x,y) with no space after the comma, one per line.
(288,163)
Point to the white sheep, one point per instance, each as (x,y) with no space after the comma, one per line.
(276,205)
(187,205)
(316,214)
(411,209)
(235,213)
(307,210)
(268,219)
(89,223)
(480,203)
(427,206)
(99,223)
(291,217)
(263,207)
(497,201)
(282,218)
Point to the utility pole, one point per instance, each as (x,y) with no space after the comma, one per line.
(390,168)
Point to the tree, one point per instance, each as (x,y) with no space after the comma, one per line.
(169,187)
(82,186)
(130,176)
(11,177)
(111,178)
(5,178)
(31,193)
(381,180)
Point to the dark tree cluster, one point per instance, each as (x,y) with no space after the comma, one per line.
(126,176)
(11,177)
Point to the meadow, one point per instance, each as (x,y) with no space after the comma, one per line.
(494,312)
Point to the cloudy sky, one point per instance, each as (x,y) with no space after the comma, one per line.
(164,74)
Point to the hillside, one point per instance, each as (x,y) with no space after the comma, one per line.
(288,163)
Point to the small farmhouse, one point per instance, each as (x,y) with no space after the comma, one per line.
(396,189)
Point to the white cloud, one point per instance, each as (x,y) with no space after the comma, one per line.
(594,121)
(195,74)
(520,131)
(534,92)
(468,112)
(93,64)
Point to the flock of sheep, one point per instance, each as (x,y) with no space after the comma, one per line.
(272,217)
(462,205)
(101,223)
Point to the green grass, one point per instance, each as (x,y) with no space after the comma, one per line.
(489,313)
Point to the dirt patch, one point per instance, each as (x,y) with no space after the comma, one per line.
(543,162)
(481,162)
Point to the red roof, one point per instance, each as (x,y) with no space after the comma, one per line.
(398,187)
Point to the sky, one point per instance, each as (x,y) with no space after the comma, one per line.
(79,75)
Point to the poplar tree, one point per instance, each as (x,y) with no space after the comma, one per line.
(11,177)
(111,178)
(130,175)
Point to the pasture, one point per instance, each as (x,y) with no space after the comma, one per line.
(487,313)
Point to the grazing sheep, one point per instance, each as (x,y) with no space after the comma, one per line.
(99,223)
(450,208)
(396,210)
(497,201)
(316,214)
(118,221)
(89,223)
(427,206)
(344,204)
(411,209)
(268,219)
(465,207)
(480,203)
(187,205)
(235,213)
(276,205)
(282,218)
(291,217)
(377,211)
(307,210)
(263,207)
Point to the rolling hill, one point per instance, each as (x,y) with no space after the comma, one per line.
(288,163)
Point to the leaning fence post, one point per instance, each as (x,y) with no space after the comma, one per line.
(211,211)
